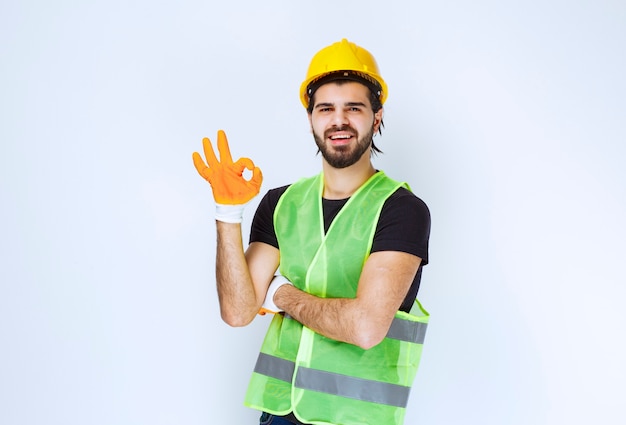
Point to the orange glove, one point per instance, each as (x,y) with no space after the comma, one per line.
(226,177)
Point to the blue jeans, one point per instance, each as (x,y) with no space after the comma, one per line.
(267,419)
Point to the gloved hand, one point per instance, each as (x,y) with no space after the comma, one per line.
(231,190)
(268,305)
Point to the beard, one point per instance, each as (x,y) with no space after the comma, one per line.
(345,155)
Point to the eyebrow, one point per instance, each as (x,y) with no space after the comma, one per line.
(347,104)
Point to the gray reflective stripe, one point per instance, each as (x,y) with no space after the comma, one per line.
(405,330)
(274,367)
(350,387)
(333,383)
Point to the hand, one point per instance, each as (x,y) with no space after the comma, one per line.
(226,177)
(268,305)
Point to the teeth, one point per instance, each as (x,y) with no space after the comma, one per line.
(340,137)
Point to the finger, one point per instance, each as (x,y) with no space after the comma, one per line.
(223,148)
(244,163)
(209,153)
(201,167)
(257,178)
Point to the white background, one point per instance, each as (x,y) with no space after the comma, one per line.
(506,117)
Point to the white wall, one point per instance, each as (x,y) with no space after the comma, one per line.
(507,118)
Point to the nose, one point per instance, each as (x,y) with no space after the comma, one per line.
(340,118)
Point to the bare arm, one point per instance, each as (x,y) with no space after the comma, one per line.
(242,279)
(364,320)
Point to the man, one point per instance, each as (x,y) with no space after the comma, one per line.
(349,245)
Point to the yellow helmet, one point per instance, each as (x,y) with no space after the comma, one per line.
(356,62)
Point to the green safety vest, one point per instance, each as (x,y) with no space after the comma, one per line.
(324,381)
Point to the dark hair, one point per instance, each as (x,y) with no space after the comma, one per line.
(342,77)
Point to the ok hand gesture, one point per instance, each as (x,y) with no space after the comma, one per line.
(225,176)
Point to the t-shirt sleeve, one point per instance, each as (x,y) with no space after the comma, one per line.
(262,229)
(404,225)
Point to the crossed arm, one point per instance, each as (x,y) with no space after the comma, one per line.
(243,279)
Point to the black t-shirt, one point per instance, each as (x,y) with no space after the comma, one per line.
(403,225)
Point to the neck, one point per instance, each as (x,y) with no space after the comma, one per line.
(341,183)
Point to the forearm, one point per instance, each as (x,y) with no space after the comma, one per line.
(341,319)
(365,319)
(237,297)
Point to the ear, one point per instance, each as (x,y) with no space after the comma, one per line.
(378,118)
(310,116)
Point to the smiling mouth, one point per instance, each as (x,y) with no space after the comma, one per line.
(340,138)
